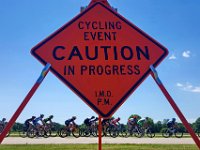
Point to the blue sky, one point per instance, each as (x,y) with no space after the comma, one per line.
(175,24)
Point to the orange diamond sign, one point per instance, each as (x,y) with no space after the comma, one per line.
(101,56)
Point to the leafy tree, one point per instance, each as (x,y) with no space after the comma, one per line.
(158,126)
(150,122)
(181,127)
(197,124)
(17,126)
(193,125)
(164,123)
(57,126)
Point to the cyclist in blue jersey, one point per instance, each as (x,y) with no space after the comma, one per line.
(171,123)
(37,120)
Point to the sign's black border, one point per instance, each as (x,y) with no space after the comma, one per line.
(120,102)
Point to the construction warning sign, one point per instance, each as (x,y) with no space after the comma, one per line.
(101,56)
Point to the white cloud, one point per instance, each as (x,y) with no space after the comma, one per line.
(196,90)
(179,84)
(188,87)
(186,54)
(172,57)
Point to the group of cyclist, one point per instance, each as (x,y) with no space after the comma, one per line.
(38,122)
(134,124)
(133,121)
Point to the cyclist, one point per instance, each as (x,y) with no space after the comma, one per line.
(90,121)
(132,122)
(70,122)
(37,120)
(115,122)
(106,122)
(49,119)
(28,123)
(171,123)
(3,122)
(143,122)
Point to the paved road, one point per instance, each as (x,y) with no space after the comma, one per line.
(83,140)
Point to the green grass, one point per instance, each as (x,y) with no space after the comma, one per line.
(95,147)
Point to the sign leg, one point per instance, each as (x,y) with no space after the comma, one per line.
(175,107)
(100,132)
(24,103)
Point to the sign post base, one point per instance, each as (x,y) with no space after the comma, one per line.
(100,132)
(175,107)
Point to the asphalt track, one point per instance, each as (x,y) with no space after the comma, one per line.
(105,140)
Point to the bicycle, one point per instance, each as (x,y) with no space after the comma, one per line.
(36,132)
(136,131)
(105,128)
(23,132)
(31,131)
(149,132)
(122,130)
(113,130)
(49,130)
(71,129)
(116,130)
(92,129)
(169,132)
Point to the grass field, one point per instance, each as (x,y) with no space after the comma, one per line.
(95,147)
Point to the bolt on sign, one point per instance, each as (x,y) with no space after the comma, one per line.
(101,56)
